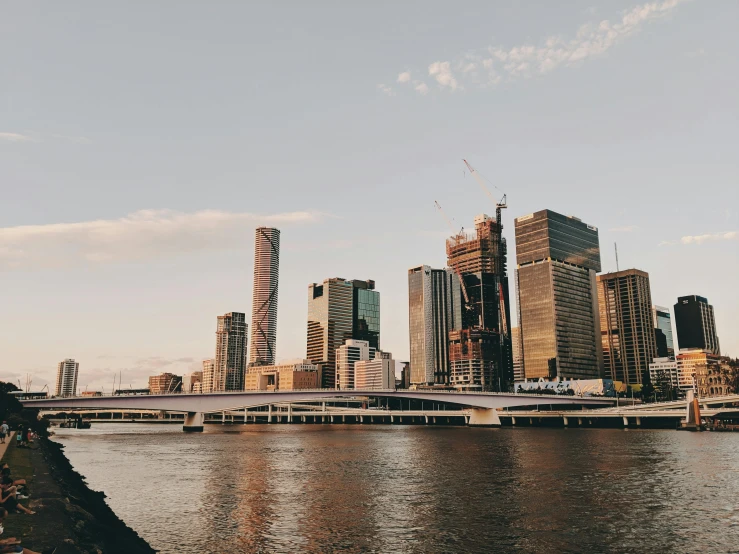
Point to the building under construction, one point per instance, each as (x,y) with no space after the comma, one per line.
(480,353)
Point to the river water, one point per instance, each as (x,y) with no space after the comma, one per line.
(331,488)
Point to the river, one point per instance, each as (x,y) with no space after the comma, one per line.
(373,488)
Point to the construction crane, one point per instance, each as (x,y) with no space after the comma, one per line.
(498,204)
(467,303)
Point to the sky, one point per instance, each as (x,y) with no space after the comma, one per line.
(141,143)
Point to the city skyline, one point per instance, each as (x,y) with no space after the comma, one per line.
(120,199)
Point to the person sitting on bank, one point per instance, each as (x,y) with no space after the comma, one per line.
(9,497)
(5,472)
(13,545)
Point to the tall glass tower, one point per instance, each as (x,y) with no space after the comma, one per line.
(230,361)
(264,300)
(557,258)
(663,323)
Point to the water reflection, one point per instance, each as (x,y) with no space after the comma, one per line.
(312,488)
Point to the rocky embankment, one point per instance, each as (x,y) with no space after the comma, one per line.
(68,515)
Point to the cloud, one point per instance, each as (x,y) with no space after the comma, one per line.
(145,234)
(15,137)
(700,239)
(625,229)
(441,71)
(404,77)
(386,89)
(421,88)
(491,65)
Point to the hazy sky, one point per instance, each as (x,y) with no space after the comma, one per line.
(142,142)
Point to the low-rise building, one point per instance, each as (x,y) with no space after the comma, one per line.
(664,370)
(375,374)
(347,355)
(292,375)
(191,381)
(702,371)
(164,383)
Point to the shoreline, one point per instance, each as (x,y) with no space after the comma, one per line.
(69,515)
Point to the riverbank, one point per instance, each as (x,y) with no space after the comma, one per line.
(69,515)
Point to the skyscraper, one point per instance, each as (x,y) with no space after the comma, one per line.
(264,303)
(518,369)
(338,308)
(230,362)
(696,327)
(663,324)
(480,259)
(557,258)
(66,377)
(434,309)
(626,325)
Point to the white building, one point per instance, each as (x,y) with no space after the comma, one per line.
(375,374)
(66,377)
(518,370)
(190,382)
(264,300)
(668,368)
(346,355)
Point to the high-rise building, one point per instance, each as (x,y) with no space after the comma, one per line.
(165,383)
(480,259)
(208,374)
(337,309)
(434,309)
(66,377)
(626,325)
(557,260)
(695,324)
(663,325)
(375,374)
(230,360)
(346,355)
(264,299)
(518,370)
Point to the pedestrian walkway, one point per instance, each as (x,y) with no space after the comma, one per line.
(4,447)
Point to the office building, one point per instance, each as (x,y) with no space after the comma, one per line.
(208,374)
(192,382)
(264,296)
(557,260)
(375,374)
(337,310)
(695,324)
(66,377)
(230,361)
(517,352)
(663,372)
(663,328)
(405,376)
(434,309)
(165,383)
(480,259)
(702,371)
(346,355)
(290,375)
(626,325)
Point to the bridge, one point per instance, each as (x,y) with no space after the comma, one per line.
(483,406)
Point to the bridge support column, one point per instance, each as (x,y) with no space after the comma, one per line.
(269,413)
(626,421)
(565,420)
(193,422)
(484,417)
(513,421)
(289,413)
(427,419)
(638,422)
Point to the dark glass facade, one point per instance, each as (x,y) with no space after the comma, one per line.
(695,324)
(558,257)
(663,323)
(366,313)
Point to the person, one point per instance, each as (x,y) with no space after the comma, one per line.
(19,437)
(11,544)
(4,429)
(9,497)
(5,472)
